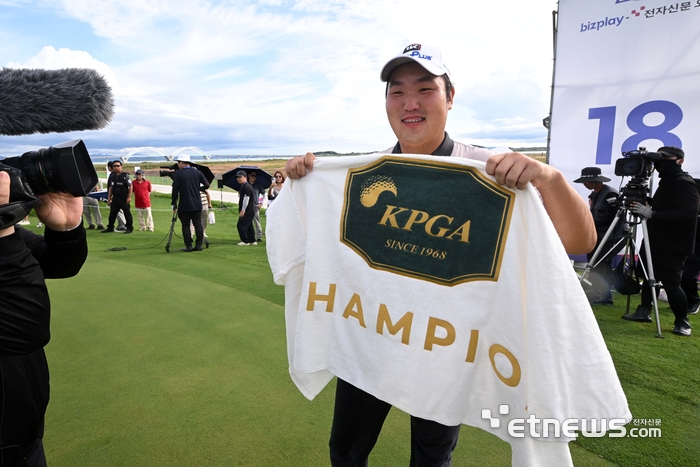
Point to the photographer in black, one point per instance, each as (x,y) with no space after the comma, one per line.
(52,181)
(188,183)
(26,259)
(603,202)
(672,215)
(691,270)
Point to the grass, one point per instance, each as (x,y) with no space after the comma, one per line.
(179,359)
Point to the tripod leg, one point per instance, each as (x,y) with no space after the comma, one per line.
(170,235)
(652,280)
(601,245)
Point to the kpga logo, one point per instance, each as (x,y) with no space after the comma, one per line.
(389,222)
(569,428)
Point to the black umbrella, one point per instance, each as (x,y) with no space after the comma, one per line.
(263,182)
(206,171)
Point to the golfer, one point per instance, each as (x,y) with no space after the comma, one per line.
(419,96)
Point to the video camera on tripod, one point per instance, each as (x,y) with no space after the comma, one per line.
(638,164)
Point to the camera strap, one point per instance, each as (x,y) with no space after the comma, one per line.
(12,213)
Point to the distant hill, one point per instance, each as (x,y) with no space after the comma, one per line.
(333,153)
(533,149)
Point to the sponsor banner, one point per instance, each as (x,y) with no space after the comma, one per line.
(627,75)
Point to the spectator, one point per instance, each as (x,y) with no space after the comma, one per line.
(246,208)
(121,220)
(257,204)
(276,187)
(206,206)
(119,198)
(91,209)
(142,200)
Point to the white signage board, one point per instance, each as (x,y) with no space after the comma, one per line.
(627,75)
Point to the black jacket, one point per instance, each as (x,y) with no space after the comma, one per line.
(187,184)
(26,259)
(675,205)
(119,184)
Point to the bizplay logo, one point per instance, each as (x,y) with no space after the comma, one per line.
(568,428)
(598,25)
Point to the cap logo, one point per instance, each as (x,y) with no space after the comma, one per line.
(411,47)
(419,55)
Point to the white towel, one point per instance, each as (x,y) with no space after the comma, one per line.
(534,319)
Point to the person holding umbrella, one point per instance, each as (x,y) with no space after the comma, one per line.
(246,210)
(257,191)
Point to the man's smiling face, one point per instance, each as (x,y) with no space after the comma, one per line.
(417,106)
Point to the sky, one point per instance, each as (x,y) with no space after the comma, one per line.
(283,77)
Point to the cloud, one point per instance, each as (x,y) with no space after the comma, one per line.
(291,76)
(51,59)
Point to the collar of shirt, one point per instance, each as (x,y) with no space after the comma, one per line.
(445,148)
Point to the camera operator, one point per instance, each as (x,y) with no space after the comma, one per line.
(603,202)
(26,259)
(672,216)
(188,183)
(691,270)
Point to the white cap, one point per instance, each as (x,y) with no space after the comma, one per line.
(427,56)
(183,158)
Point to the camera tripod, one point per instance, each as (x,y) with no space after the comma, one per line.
(221,203)
(170,235)
(630,247)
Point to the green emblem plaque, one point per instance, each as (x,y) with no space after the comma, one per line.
(435,221)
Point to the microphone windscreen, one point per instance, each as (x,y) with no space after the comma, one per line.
(48,101)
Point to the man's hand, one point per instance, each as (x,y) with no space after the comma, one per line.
(643,210)
(516,170)
(566,208)
(60,211)
(240,214)
(297,167)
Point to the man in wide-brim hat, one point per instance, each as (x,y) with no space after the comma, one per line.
(603,201)
(591,175)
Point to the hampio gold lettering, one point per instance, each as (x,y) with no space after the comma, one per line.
(314,297)
(434,221)
(438,332)
(354,310)
(403,324)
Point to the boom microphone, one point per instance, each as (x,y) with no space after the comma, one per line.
(47,101)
